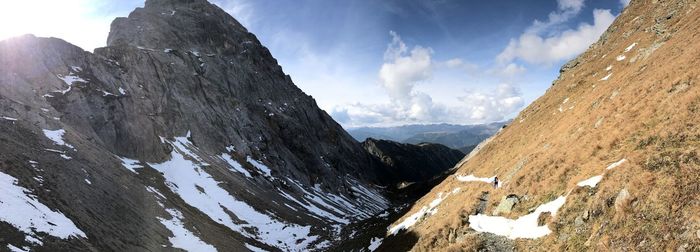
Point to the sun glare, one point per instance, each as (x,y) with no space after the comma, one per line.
(72,20)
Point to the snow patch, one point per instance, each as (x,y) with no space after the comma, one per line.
(237,167)
(253,248)
(16,249)
(185,177)
(472,178)
(424,212)
(608,68)
(606,77)
(69,79)
(374,244)
(523,227)
(592,182)
(620,57)
(183,238)
(616,164)
(130,164)
(23,211)
(56,136)
(629,48)
(263,168)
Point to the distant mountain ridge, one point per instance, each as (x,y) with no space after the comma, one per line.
(451,135)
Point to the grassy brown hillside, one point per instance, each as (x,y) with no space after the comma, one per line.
(647,112)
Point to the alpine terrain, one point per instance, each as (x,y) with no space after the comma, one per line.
(183,133)
(606,160)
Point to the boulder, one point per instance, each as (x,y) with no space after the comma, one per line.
(507,204)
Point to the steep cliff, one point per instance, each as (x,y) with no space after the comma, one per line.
(183,132)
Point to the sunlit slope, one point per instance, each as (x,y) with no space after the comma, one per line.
(630,103)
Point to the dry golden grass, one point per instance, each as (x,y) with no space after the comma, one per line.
(648,112)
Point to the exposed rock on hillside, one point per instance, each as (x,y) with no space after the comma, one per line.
(182,133)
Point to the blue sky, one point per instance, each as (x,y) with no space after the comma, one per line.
(380,63)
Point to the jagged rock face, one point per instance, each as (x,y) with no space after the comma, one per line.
(182,133)
(606,160)
(412,163)
(212,59)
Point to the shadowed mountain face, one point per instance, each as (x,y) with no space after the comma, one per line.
(182,133)
(413,163)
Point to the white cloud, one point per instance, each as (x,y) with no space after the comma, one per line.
(493,105)
(534,48)
(403,70)
(241,10)
(566,9)
(624,3)
(454,63)
(511,70)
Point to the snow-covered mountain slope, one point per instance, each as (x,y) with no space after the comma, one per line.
(182,133)
(606,160)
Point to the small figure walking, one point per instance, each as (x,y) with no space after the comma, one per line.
(495,182)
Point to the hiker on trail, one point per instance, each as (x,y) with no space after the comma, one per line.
(495,182)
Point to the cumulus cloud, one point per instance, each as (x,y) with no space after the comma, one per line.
(403,70)
(624,3)
(493,105)
(566,9)
(454,63)
(532,47)
(510,70)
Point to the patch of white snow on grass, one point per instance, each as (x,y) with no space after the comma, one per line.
(592,182)
(606,77)
(9,118)
(608,68)
(616,164)
(523,227)
(424,212)
(621,58)
(629,48)
(472,178)
(23,211)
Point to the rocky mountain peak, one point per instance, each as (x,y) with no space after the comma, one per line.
(181,24)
